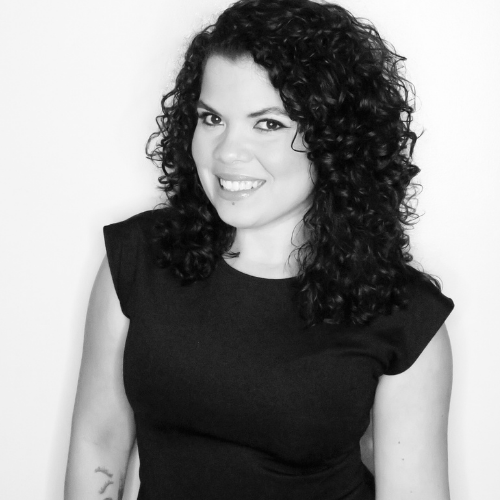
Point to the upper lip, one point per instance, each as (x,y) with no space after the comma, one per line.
(236,177)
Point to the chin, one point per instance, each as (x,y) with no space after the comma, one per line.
(239,219)
(237,222)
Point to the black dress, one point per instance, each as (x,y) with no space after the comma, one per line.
(233,399)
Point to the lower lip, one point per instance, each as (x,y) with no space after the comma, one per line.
(236,195)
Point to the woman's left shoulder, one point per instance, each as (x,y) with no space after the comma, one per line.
(423,291)
(410,329)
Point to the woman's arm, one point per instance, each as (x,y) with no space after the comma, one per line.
(410,418)
(103,429)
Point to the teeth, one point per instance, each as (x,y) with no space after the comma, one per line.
(239,185)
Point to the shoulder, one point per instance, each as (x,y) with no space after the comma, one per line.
(423,291)
(130,253)
(134,235)
(427,307)
(409,329)
(140,226)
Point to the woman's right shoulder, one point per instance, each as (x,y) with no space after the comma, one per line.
(139,226)
(132,254)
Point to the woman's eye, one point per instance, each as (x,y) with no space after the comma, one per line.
(209,119)
(269,125)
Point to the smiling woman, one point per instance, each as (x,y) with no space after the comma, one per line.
(245,162)
(265,320)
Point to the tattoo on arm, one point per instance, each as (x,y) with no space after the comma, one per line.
(121,485)
(104,471)
(108,482)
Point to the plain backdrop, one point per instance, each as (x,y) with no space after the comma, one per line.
(80,85)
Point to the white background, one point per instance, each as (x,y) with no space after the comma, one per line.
(80,85)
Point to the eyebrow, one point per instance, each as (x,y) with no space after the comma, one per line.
(255,114)
(274,109)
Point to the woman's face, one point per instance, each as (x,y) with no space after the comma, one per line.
(242,148)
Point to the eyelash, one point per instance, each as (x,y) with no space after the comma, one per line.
(268,120)
(203,117)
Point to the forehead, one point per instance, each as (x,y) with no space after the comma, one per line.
(239,82)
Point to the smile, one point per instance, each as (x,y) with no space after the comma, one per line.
(239,185)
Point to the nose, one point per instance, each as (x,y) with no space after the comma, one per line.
(232,147)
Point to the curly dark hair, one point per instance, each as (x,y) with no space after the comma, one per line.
(343,85)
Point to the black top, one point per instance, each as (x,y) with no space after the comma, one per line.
(233,399)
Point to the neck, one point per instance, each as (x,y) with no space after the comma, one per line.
(267,253)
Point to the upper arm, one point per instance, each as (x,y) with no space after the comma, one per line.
(102,413)
(410,418)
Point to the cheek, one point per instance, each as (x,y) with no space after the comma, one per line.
(198,155)
(201,157)
(303,176)
(279,160)
(296,168)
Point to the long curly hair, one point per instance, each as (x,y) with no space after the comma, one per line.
(344,87)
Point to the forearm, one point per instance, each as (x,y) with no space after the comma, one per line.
(95,472)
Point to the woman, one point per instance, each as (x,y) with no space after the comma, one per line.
(268,309)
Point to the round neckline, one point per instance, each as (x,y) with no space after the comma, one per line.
(250,277)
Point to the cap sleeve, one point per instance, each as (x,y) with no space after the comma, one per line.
(427,310)
(125,245)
